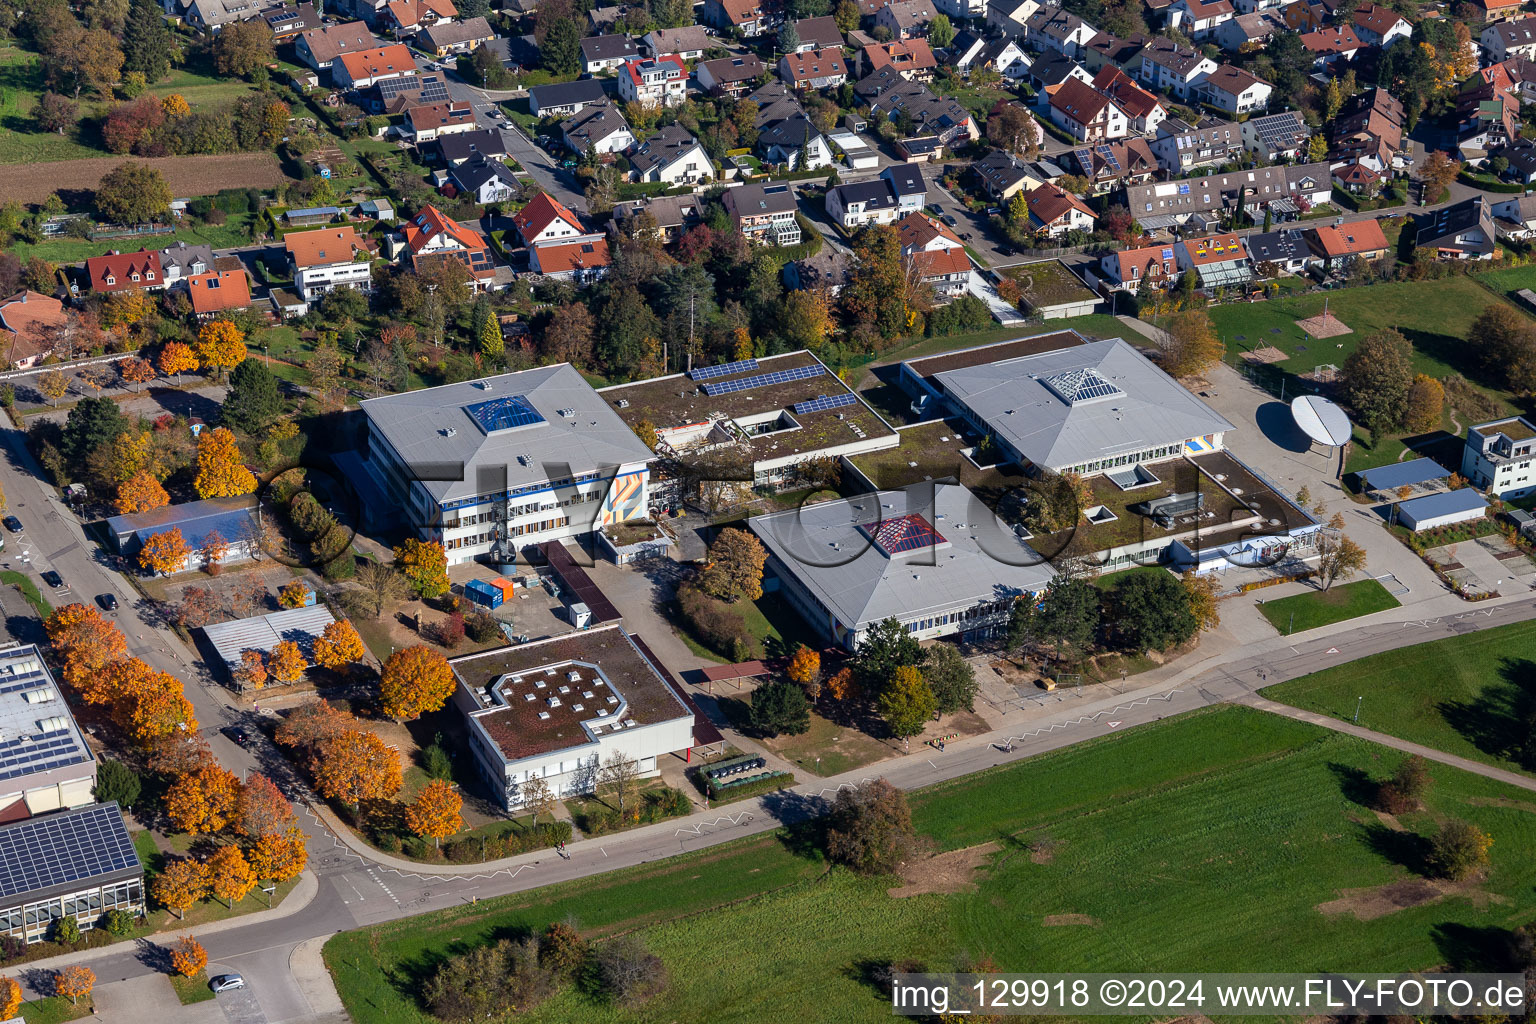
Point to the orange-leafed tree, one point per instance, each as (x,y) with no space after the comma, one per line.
(147,703)
(181,884)
(204,800)
(136,371)
(286,663)
(221,471)
(425,566)
(188,956)
(220,345)
(843,684)
(434,813)
(74,981)
(339,646)
(357,766)
(804,665)
(278,858)
(252,673)
(164,552)
(293,595)
(232,875)
(140,493)
(416,680)
(176,358)
(262,809)
(85,642)
(215,550)
(308,727)
(10,998)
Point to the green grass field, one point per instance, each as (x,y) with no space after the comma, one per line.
(1468,695)
(1302,612)
(1207,843)
(54,1010)
(21,83)
(1508,281)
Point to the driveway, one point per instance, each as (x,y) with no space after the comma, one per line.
(1004,312)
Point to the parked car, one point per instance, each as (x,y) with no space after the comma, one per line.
(107,601)
(226,982)
(13,524)
(236,734)
(53,579)
(949,219)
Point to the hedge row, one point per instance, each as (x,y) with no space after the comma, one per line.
(1489,184)
(539,837)
(769,783)
(657,805)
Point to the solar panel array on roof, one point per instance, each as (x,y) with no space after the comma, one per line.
(823,402)
(725,387)
(504,413)
(711,372)
(903,533)
(1108,155)
(432,88)
(64,848)
(29,754)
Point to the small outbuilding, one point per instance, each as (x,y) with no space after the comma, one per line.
(232,518)
(1444,509)
(264,632)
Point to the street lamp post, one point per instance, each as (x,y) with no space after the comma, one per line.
(1358,702)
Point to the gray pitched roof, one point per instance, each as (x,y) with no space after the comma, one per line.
(661,149)
(975,558)
(433,428)
(1015,399)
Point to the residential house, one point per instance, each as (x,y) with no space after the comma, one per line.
(319,47)
(1115,165)
(1514,38)
(970,52)
(911,58)
(667,216)
(1277,137)
(363,68)
(745,16)
(1054,30)
(1380,26)
(1284,250)
(600,128)
(212,15)
(672,155)
(408,17)
(861,202)
(604,53)
(1522,162)
(785,134)
(1496,10)
(1461,231)
(1009,17)
(662,82)
(1167,66)
(687,43)
(455,149)
(940,116)
(1497,456)
(30,325)
(1143,111)
(1339,245)
(121,271)
(181,261)
(1053,69)
(906,19)
(962,10)
(1357,180)
(1332,45)
(1308,15)
(582,261)
(1515,217)
(1182,147)
(1087,114)
(603,21)
(1219,261)
(1254,6)
(1200,19)
(1108,50)
(1248,30)
(765,214)
(433,120)
(729,76)
(1284,191)
(1235,91)
(486,178)
(918,232)
(545,219)
(220,291)
(946,272)
(818,33)
(394,96)
(432,237)
(1369,130)
(329,258)
(1003,175)
(1152,266)
(289,20)
(446,38)
(813,69)
(564,98)
(828,271)
(1054,211)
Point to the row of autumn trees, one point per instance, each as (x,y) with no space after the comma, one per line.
(144,703)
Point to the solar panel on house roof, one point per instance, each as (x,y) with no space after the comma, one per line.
(825,402)
(725,387)
(1109,157)
(710,372)
(504,413)
(64,848)
(903,533)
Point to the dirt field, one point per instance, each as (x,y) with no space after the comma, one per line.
(947,872)
(187,175)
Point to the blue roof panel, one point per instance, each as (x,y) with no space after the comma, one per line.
(1446,503)
(64,849)
(1398,474)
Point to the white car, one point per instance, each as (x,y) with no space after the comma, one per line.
(226,982)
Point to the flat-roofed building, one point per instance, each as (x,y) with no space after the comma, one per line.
(1498,457)
(45,762)
(76,863)
(558,709)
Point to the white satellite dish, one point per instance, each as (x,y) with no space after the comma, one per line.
(1321,420)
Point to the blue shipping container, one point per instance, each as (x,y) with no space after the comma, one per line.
(482,593)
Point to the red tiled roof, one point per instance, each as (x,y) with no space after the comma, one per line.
(410,12)
(219,290)
(815,64)
(543,210)
(116,271)
(30,318)
(394,59)
(430,223)
(1151,261)
(941,262)
(1214,249)
(322,247)
(906,55)
(1338,39)
(1120,87)
(558,259)
(1350,239)
(438,115)
(1080,102)
(1049,203)
(916,230)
